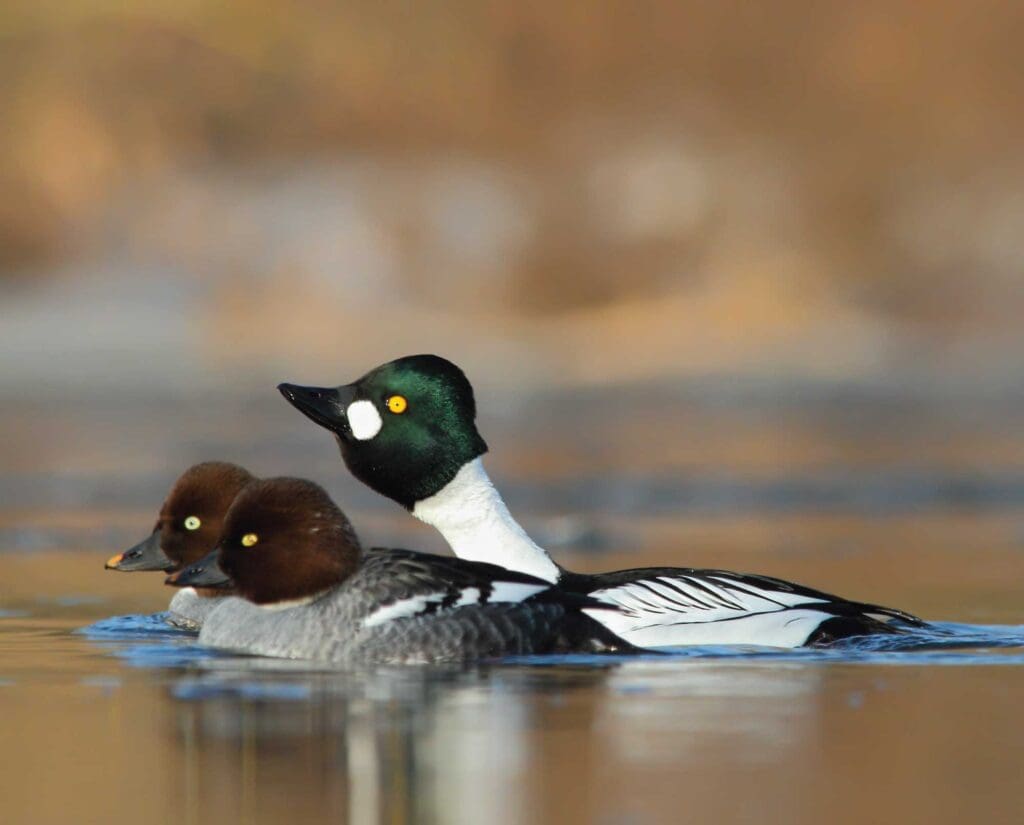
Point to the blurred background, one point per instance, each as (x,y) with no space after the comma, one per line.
(722,258)
(739,285)
(756,248)
(551,195)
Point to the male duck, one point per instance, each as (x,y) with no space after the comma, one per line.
(408,430)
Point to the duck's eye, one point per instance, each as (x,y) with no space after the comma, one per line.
(397,404)
(192,523)
(249,539)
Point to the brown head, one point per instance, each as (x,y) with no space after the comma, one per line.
(190,519)
(283,540)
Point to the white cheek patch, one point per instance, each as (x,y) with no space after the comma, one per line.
(363,419)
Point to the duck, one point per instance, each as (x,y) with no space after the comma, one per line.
(407,429)
(306,590)
(187,527)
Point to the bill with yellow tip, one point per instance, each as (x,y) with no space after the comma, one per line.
(146,555)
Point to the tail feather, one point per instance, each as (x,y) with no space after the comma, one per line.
(853,609)
(853,619)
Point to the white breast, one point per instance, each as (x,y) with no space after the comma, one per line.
(477,525)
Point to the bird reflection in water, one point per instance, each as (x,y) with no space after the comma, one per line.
(391,745)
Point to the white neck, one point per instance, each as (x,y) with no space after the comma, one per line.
(287,604)
(475,522)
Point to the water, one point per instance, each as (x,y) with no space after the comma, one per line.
(109,715)
(128,719)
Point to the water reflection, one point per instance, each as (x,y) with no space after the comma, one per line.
(389,745)
(760,711)
(264,738)
(149,725)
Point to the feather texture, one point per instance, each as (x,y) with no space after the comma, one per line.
(664,607)
(405,607)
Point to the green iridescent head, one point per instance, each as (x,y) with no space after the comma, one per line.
(404,429)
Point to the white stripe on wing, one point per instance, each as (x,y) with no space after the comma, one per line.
(500,591)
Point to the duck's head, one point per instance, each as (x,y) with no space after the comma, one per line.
(283,540)
(190,519)
(405,428)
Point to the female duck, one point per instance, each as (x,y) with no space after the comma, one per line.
(189,523)
(408,430)
(310,593)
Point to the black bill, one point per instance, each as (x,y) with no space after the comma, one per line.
(204,573)
(146,555)
(324,405)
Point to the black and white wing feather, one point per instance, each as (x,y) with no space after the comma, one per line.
(402,584)
(664,607)
(402,607)
(417,608)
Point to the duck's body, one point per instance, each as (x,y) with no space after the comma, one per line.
(190,608)
(407,429)
(658,606)
(309,593)
(400,608)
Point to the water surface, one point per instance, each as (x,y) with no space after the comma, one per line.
(128,720)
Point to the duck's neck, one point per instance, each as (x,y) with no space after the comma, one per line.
(475,522)
(299,601)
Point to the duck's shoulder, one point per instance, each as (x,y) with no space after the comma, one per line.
(413,571)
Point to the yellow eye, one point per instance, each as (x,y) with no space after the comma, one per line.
(249,539)
(192,523)
(397,404)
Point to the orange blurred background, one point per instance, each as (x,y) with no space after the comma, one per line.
(577,193)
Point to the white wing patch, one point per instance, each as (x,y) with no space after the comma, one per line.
(779,628)
(471,595)
(513,592)
(707,609)
(693,599)
(402,609)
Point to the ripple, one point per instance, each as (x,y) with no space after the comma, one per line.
(938,643)
(133,626)
(192,690)
(170,654)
